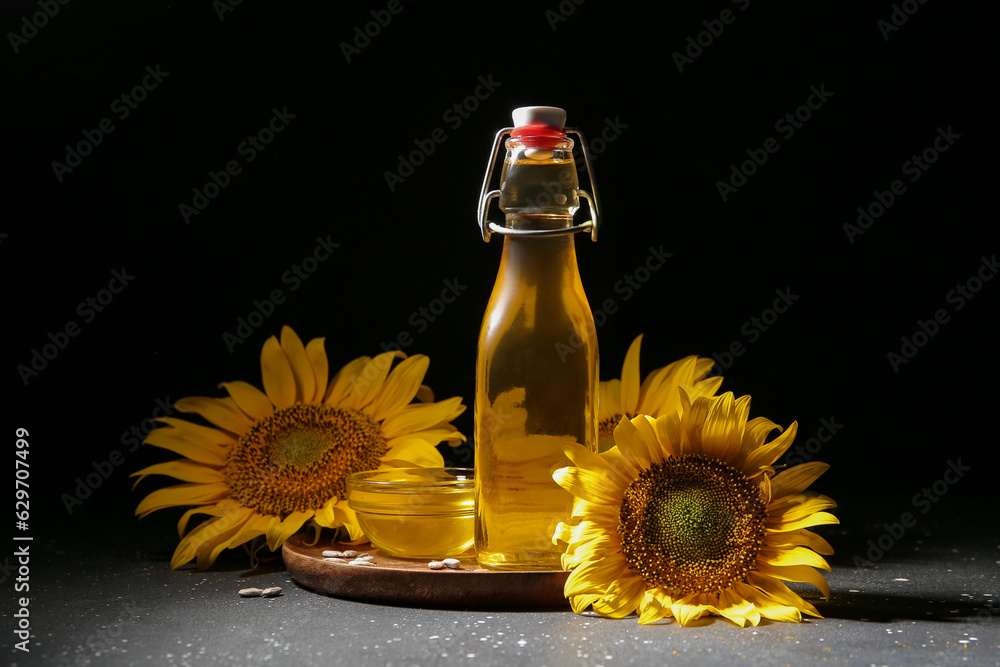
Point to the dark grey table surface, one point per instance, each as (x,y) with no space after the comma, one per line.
(102,593)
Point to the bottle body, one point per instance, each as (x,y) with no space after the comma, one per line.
(536,375)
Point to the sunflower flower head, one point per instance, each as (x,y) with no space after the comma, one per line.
(687,517)
(274,461)
(658,394)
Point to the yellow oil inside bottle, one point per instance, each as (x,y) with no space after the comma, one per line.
(536,376)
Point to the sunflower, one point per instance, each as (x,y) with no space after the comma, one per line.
(657,395)
(686,517)
(274,461)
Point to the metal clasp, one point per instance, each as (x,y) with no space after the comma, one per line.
(486,196)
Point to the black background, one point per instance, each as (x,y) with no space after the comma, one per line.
(678,133)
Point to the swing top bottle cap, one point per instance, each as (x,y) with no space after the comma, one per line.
(539,129)
(553,117)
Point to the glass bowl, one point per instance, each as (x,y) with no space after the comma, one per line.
(415,512)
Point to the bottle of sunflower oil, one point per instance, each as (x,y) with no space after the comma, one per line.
(536,372)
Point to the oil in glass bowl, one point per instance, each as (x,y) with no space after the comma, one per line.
(416,512)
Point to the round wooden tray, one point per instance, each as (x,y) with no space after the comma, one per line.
(404,582)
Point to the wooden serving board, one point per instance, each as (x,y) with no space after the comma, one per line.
(410,583)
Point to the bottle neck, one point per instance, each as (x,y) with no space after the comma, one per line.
(539,184)
(538,221)
(548,260)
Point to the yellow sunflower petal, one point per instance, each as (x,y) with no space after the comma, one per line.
(185,471)
(416,452)
(587,539)
(632,444)
(279,530)
(563,532)
(188,446)
(624,469)
(187,548)
(254,526)
(180,495)
(316,351)
(798,506)
(706,387)
(621,598)
(694,412)
(348,520)
(669,434)
(595,511)
(658,393)
(609,401)
(647,434)
(588,485)
(580,553)
(817,519)
(218,535)
(400,387)
(759,428)
(420,416)
(797,478)
(301,365)
(799,537)
(650,609)
(594,576)
(766,606)
(367,385)
(336,514)
(769,453)
(756,433)
(580,603)
(186,517)
(326,516)
(277,375)
(584,458)
(249,399)
(430,436)
(722,432)
(686,614)
(793,556)
(343,380)
(736,608)
(217,411)
(630,378)
(208,435)
(801,573)
(777,612)
(781,593)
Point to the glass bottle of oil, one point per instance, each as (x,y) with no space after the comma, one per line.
(537,365)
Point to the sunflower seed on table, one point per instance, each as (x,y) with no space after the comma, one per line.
(251,592)
(363,561)
(333,554)
(452,563)
(435,565)
(271,592)
(350,553)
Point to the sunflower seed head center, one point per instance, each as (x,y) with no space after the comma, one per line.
(298,458)
(691,524)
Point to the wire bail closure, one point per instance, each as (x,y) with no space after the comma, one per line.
(485,197)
